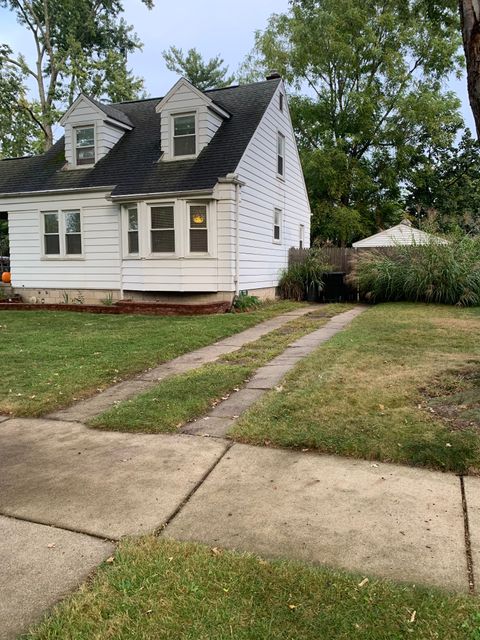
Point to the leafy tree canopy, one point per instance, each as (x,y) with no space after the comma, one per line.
(80,45)
(368,100)
(210,74)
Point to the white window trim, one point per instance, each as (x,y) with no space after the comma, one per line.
(62,231)
(88,125)
(173,115)
(281,176)
(280,226)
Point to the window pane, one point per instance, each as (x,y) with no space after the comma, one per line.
(73,243)
(198,216)
(184,146)
(184,125)
(162,217)
(281,145)
(51,222)
(72,221)
(85,137)
(132,219)
(52,245)
(163,241)
(132,242)
(86,155)
(280,165)
(276,232)
(198,240)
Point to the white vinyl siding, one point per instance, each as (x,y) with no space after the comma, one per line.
(261,260)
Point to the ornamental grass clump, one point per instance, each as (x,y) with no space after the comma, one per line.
(301,280)
(433,272)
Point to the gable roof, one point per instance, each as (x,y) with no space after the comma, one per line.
(108,109)
(132,167)
(400,234)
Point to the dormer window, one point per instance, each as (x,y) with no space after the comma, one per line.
(85,145)
(184,135)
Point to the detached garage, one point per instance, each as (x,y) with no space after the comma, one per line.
(400,234)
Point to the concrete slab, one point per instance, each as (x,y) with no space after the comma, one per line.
(472,495)
(380,519)
(237,403)
(40,565)
(104,483)
(269,376)
(209,426)
(86,409)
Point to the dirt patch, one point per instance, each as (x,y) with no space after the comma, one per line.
(454,397)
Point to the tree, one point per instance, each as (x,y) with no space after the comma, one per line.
(369,100)
(470,25)
(80,45)
(202,74)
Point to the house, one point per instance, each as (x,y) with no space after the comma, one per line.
(192,198)
(400,234)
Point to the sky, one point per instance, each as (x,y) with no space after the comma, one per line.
(212,26)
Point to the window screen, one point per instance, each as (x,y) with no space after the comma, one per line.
(198,229)
(162,229)
(184,139)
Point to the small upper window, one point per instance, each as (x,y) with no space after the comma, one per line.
(85,145)
(184,135)
(280,101)
(280,154)
(277,225)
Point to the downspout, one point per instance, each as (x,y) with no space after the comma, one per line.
(237,239)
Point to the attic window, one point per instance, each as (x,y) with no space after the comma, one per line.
(184,135)
(85,145)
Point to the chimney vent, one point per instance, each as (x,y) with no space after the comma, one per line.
(273,75)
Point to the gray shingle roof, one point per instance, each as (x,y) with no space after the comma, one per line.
(110,111)
(132,166)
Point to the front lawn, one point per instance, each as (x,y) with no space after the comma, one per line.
(49,359)
(401,384)
(159,589)
(181,398)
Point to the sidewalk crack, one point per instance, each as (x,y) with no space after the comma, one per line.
(468,545)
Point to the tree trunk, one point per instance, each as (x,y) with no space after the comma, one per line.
(470,23)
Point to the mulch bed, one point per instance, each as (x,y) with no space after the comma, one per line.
(124,307)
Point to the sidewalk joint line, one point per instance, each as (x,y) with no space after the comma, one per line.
(159,530)
(468,545)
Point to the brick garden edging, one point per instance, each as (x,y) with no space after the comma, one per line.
(142,308)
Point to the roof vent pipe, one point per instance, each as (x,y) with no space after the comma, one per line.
(273,75)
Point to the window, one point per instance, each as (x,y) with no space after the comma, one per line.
(198,228)
(51,237)
(162,229)
(301,236)
(132,230)
(62,233)
(280,154)
(277,225)
(184,136)
(280,101)
(85,145)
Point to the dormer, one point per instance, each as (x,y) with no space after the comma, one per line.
(91,130)
(189,119)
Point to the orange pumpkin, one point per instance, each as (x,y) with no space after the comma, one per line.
(6,279)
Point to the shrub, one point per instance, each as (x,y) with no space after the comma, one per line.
(244,302)
(300,279)
(434,272)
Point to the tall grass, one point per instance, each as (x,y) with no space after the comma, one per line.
(440,273)
(302,279)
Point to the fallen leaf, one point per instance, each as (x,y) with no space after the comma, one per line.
(216,551)
(363,582)
(413,616)
(110,560)
(292,606)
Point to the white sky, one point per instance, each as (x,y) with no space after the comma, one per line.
(212,26)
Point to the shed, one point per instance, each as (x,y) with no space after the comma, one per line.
(400,234)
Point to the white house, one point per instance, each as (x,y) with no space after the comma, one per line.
(400,234)
(192,197)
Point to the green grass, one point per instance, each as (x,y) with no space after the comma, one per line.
(161,590)
(50,359)
(181,398)
(369,391)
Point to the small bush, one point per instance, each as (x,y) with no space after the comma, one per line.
(244,302)
(439,273)
(300,279)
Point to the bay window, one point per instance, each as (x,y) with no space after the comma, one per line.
(162,229)
(198,228)
(132,230)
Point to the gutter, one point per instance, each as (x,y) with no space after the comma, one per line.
(161,194)
(52,192)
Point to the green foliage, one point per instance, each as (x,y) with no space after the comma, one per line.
(202,74)
(4,240)
(448,274)
(300,279)
(369,101)
(244,302)
(80,45)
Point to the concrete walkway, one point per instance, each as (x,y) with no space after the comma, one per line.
(65,489)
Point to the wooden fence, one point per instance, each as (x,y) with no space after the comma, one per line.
(339,258)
